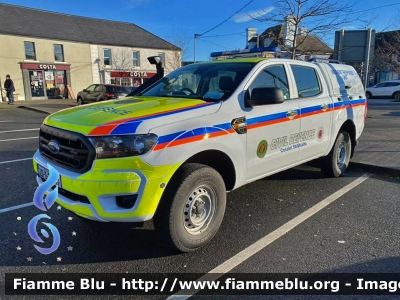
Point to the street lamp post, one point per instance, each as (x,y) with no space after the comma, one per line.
(195,37)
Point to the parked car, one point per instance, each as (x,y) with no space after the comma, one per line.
(100,92)
(389,88)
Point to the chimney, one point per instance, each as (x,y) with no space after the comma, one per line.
(289,31)
(302,31)
(251,32)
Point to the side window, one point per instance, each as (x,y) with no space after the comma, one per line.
(91,88)
(383,84)
(272,76)
(307,81)
(99,88)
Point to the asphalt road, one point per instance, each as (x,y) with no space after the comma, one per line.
(358,232)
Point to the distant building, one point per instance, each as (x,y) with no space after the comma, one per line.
(45,51)
(282,36)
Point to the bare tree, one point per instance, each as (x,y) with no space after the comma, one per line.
(180,46)
(318,16)
(122,59)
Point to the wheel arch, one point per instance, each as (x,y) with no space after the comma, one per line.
(350,128)
(219,161)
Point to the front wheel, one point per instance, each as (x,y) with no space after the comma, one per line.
(79,101)
(192,208)
(337,161)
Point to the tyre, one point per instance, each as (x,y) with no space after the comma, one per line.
(368,95)
(396,96)
(337,161)
(79,101)
(192,208)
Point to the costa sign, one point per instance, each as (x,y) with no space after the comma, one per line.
(135,74)
(138,74)
(47,67)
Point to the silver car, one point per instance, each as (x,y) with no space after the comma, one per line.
(389,88)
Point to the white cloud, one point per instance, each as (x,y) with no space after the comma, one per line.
(133,3)
(245,17)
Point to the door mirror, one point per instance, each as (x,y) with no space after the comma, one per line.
(265,96)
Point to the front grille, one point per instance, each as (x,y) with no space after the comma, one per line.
(76,153)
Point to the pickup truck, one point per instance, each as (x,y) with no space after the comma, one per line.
(172,150)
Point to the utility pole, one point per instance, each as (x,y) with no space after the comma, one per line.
(196,36)
(367,57)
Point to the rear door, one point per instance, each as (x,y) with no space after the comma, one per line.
(316,111)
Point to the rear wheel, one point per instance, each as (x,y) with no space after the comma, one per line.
(337,161)
(396,96)
(192,208)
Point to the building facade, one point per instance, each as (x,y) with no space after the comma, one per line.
(51,55)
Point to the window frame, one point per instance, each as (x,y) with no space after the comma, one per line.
(137,58)
(318,77)
(62,52)
(261,70)
(108,57)
(34,50)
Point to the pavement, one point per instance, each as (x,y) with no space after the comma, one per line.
(378,149)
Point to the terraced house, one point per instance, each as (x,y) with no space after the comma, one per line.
(44,52)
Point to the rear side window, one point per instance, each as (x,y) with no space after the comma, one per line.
(307,81)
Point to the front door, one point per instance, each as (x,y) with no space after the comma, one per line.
(270,127)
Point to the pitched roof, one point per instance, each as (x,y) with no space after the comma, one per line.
(306,43)
(23,21)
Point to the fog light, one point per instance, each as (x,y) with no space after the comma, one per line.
(127,201)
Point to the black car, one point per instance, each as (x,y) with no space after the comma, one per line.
(100,92)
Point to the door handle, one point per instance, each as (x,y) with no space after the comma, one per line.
(324,107)
(291,114)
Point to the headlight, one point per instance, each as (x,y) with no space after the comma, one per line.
(122,145)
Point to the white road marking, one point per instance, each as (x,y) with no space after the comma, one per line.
(16,160)
(4,121)
(30,129)
(16,207)
(268,239)
(27,138)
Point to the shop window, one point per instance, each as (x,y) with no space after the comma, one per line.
(30,52)
(136,59)
(58,52)
(107,57)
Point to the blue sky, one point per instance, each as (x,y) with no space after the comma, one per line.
(184,18)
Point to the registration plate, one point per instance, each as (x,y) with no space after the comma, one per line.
(44,174)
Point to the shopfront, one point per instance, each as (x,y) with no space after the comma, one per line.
(45,81)
(130,79)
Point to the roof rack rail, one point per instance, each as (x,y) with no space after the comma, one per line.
(328,60)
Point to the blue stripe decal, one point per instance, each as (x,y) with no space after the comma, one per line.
(169,137)
(266,118)
(126,128)
(310,109)
(224,126)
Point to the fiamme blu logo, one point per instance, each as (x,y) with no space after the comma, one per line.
(45,202)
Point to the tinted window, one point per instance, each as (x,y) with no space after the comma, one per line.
(117,89)
(91,88)
(272,76)
(100,88)
(306,80)
(383,84)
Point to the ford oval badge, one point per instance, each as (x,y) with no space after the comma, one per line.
(54,146)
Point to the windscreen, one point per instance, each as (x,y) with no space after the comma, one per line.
(209,81)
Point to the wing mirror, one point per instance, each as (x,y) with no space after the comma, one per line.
(265,96)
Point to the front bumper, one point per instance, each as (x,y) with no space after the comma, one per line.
(107,179)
